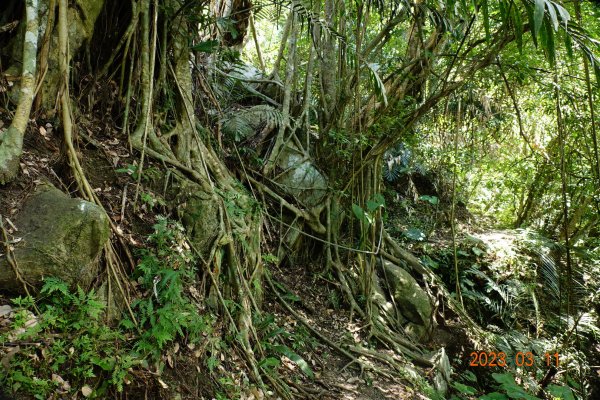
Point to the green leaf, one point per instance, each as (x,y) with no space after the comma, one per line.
(429,262)
(504,379)
(550,47)
(52,285)
(207,46)
(379,85)
(538,15)
(477,251)
(518,25)
(127,324)
(494,396)
(531,24)
(562,392)
(470,376)
(414,234)
(519,393)
(486,18)
(513,391)
(359,213)
(296,359)
(464,389)
(553,16)
(212,363)
(431,199)
(564,14)
(107,363)
(378,201)
(568,45)
(269,362)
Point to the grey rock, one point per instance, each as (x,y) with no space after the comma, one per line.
(416,331)
(199,214)
(410,298)
(58,236)
(301,179)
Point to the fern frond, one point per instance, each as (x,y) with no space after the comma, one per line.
(244,123)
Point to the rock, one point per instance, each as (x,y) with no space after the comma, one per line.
(301,179)
(59,236)
(443,372)
(410,298)
(292,239)
(385,309)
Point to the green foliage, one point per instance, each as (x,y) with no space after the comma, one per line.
(508,385)
(560,392)
(242,124)
(206,46)
(83,349)
(367,216)
(76,346)
(130,169)
(430,199)
(275,344)
(152,199)
(165,272)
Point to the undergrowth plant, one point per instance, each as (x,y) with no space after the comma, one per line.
(166,312)
(61,344)
(65,348)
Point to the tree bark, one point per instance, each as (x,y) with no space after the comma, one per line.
(11,142)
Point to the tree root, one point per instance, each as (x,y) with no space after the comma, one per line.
(13,262)
(11,142)
(360,351)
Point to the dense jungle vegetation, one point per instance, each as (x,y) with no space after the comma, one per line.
(327,199)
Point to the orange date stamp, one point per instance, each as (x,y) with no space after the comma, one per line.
(520,359)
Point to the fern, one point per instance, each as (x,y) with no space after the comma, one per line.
(245,123)
(396,162)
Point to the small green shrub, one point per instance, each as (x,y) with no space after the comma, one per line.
(65,346)
(165,272)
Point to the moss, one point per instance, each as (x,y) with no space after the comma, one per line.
(60,236)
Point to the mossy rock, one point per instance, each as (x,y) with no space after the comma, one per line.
(416,331)
(59,236)
(411,299)
(301,179)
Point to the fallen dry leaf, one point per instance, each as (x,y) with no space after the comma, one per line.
(86,391)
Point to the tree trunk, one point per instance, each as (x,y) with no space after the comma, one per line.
(11,141)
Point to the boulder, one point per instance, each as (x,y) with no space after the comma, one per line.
(300,178)
(410,298)
(57,236)
(385,309)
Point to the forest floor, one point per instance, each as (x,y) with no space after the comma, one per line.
(336,379)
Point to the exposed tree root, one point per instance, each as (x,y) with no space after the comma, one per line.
(11,141)
(12,261)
